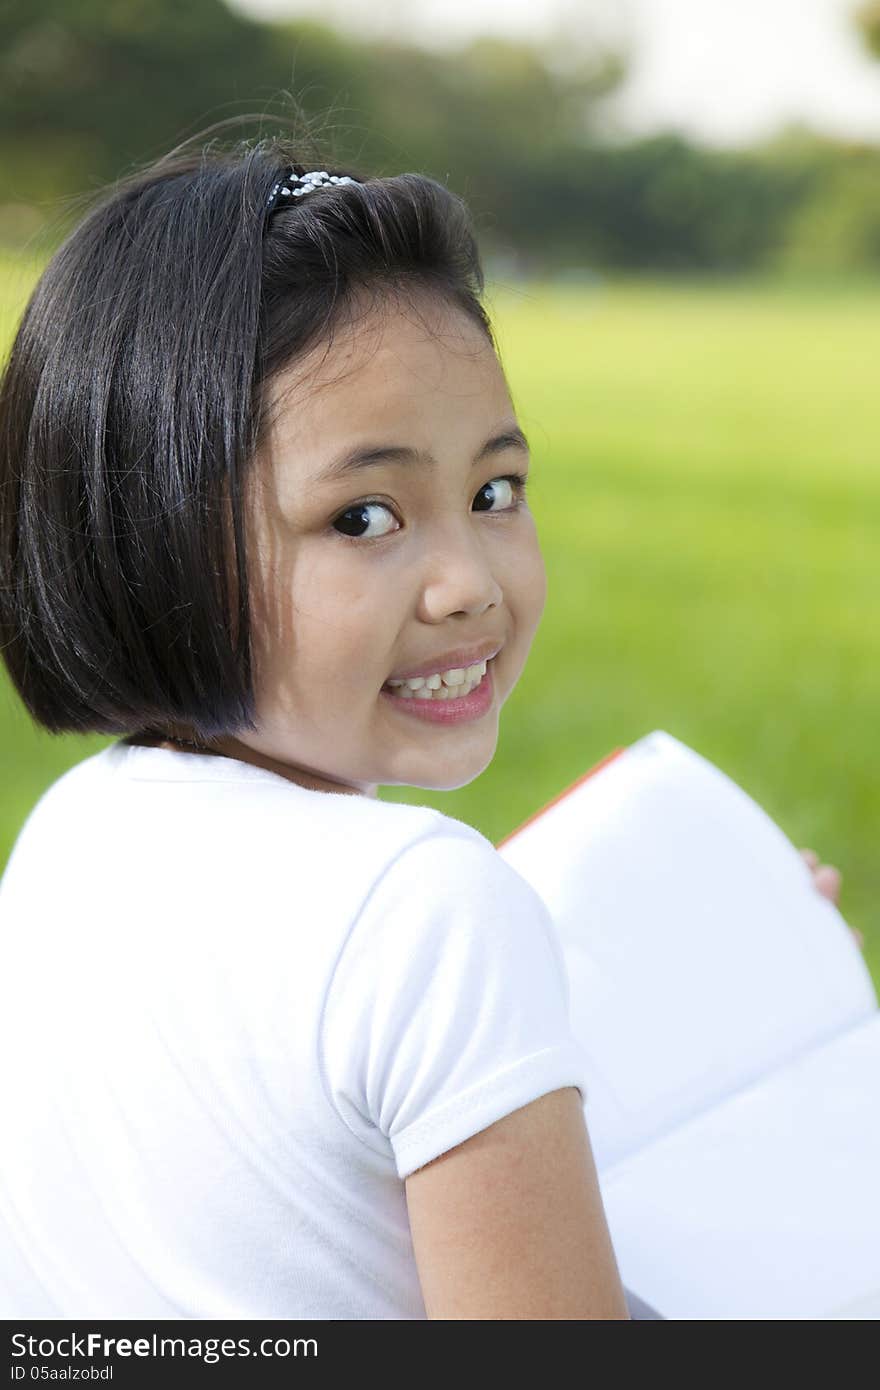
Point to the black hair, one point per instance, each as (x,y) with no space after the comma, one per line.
(134,397)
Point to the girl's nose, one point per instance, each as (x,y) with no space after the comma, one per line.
(459,576)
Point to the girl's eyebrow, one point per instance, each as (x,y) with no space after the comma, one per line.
(372,455)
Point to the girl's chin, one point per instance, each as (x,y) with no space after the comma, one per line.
(445,775)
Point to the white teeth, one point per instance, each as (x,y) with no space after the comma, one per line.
(445,685)
(457,676)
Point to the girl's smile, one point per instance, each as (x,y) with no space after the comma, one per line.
(446,704)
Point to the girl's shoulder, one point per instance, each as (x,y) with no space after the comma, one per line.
(234,801)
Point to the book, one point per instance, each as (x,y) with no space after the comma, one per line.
(732,1031)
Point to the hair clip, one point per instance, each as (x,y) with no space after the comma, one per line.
(293,185)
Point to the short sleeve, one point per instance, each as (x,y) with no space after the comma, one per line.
(448,1004)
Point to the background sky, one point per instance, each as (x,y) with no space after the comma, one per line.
(725,72)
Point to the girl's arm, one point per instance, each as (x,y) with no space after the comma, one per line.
(510,1224)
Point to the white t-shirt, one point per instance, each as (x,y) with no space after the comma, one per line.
(235,1014)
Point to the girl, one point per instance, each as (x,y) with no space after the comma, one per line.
(275,1048)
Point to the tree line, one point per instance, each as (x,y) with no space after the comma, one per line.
(92,90)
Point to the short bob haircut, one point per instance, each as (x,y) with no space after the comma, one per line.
(135,396)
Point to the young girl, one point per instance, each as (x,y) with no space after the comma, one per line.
(274,1048)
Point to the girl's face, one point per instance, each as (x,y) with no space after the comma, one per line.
(392,567)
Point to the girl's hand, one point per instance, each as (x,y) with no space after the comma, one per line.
(826,880)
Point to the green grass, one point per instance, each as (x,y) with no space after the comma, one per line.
(707,492)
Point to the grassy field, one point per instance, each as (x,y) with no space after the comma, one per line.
(707,491)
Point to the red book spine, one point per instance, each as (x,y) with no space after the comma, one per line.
(566,791)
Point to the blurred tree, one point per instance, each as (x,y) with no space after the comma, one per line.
(658,202)
(837,228)
(867,21)
(90,89)
(490,118)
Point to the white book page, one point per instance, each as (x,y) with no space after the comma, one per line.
(700,955)
(766,1206)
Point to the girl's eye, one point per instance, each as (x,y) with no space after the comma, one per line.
(357,516)
(516,482)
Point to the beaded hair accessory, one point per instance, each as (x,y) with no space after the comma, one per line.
(293,184)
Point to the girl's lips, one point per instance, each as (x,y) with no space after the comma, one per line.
(462,658)
(462,709)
